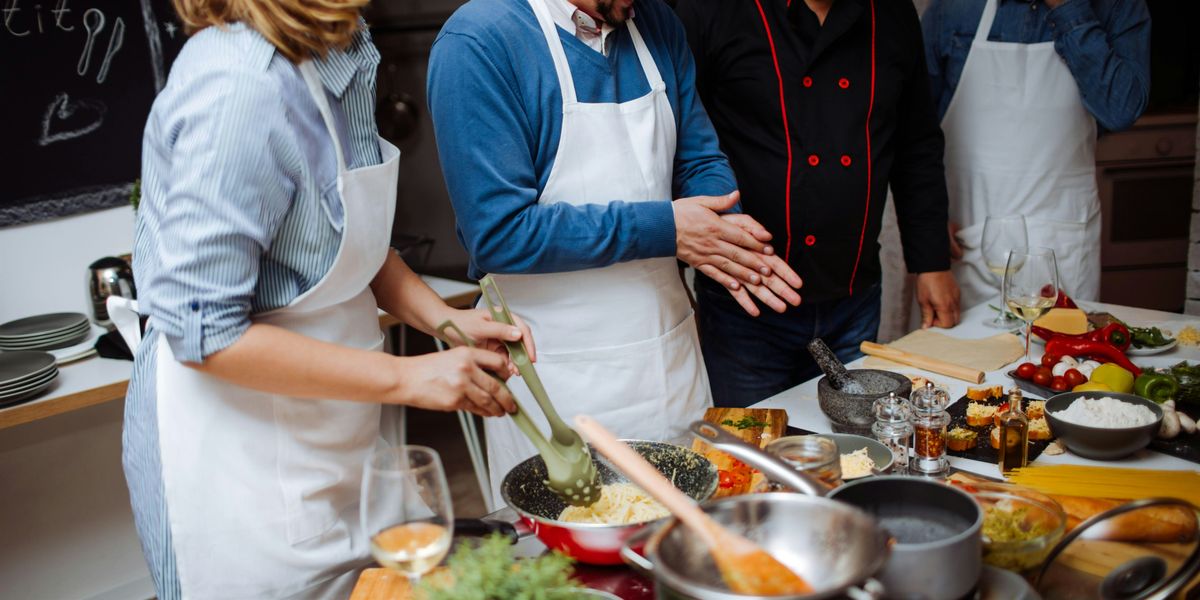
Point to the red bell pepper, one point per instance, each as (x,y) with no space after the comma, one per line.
(1101,351)
(1115,334)
(1062,301)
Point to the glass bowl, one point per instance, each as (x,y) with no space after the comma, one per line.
(1020,525)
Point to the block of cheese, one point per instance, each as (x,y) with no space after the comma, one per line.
(1071,321)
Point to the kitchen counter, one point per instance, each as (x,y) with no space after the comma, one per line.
(803,412)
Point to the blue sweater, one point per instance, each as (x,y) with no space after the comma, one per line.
(497,113)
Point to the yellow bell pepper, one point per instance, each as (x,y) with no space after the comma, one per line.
(1116,378)
(1091,386)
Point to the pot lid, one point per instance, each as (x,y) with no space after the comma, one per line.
(1147,548)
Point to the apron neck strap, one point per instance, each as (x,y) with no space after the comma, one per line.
(653,77)
(317,90)
(561,68)
(986,20)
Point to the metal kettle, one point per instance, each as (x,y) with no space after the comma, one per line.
(108,276)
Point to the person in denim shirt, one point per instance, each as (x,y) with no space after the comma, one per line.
(1021,86)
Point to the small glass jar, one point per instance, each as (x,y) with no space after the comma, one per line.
(929,421)
(893,428)
(812,454)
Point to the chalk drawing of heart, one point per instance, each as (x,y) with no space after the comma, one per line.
(85,116)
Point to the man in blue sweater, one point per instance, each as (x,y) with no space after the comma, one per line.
(566,128)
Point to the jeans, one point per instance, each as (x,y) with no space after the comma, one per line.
(753,358)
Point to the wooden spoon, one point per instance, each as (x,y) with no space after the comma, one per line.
(745,567)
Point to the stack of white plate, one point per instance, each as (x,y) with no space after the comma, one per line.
(24,375)
(44,332)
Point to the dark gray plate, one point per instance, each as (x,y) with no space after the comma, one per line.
(15,366)
(41,324)
(27,395)
(51,343)
(50,335)
(29,382)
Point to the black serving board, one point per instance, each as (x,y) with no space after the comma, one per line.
(983,450)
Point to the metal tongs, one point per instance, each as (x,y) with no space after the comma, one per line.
(570,472)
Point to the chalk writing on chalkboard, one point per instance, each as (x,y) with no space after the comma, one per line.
(79,78)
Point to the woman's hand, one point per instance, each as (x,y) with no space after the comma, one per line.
(477,323)
(457,379)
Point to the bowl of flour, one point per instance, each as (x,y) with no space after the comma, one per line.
(1103,425)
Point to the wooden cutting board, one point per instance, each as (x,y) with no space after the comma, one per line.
(385,584)
(769,424)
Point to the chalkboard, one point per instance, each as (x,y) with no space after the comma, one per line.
(77,79)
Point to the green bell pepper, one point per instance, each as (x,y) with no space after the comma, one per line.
(1156,386)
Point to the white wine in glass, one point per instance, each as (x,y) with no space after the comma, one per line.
(1001,234)
(406,510)
(1030,286)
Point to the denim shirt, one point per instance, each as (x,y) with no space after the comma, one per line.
(1105,43)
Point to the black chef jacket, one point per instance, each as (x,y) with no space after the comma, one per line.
(813,172)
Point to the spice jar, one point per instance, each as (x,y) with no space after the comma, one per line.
(893,429)
(929,421)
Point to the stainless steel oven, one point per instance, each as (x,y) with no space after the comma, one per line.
(404,31)
(1146,176)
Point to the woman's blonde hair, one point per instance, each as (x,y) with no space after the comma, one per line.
(296,27)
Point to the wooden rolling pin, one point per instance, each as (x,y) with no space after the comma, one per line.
(940,367)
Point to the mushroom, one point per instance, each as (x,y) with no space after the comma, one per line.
(1171,423)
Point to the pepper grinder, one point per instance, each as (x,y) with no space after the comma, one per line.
(929,421)
(893,429)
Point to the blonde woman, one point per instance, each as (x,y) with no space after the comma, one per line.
(262,256)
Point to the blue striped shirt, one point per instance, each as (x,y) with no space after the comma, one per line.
(239,215)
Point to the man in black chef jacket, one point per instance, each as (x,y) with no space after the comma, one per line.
(820,106)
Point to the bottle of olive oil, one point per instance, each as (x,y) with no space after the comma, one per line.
(1014,434)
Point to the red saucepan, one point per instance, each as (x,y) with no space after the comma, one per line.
(537,508)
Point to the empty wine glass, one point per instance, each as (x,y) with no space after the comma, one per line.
(1030,285)
(1000,235)
(406,511)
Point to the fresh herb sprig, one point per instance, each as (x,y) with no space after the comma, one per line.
(489,571)
(746,422)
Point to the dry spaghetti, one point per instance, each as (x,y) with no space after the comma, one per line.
(619,504)
(1108,482)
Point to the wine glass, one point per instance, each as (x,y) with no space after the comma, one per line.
(406,511)
(1030,285)
(1000,236)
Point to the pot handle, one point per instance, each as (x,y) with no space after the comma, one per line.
(775,468)
(639,563)
(871,589)
(484,527)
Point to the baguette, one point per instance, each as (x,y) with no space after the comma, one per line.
(1162,524)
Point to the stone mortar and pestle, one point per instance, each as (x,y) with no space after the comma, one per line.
(847,396)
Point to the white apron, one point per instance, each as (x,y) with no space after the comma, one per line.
(619,342)
(1020,141)
(263,490)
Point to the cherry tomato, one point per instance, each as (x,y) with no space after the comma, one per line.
(1049,360)
(1058,384)
(1043,376)
(1026,370)
(724,479)
(1074,377)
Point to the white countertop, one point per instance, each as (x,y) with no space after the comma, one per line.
(803,411)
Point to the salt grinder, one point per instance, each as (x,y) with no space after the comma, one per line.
(893,428)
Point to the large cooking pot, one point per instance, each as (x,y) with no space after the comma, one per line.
(834,546)
(937,554)
(524,490)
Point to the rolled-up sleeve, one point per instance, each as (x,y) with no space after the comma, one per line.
(216,156)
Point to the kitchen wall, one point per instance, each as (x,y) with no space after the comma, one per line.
(65,517)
